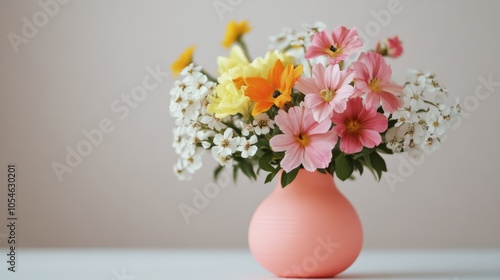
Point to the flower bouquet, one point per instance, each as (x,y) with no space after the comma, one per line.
(316,101)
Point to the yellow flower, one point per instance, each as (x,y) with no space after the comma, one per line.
(234,31)
(184,60)
(236,57)
(230,98)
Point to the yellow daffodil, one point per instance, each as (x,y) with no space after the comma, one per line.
(234,31)
(236,57)
(184,60)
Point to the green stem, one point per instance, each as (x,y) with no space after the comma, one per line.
(431,103)
(308,62)
(210,77)
(244,48)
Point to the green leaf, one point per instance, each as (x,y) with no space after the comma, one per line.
(358,165)
(391,122)
(380,110)
(287,178)
(235,173)
(331,168)
(321,170)
(265,162)
(247,169)
(217,172)
(343,167)
(378,164)
(383,149)
(271,176)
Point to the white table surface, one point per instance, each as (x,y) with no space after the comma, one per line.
(239,265)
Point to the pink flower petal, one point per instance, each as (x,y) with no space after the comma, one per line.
(287,126)
(306,85)
(350,144)
(390,103)
(282,142)
(370,138)
(292,159)
(377,123)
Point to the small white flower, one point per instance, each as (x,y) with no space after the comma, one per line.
(435,122)
(177,104)
(432,85)
(417,78)
(317,27)
(402,116)
(225,145)
(246,128)
(223,160)
(418,132)
(413,97)
(192,111)
(247,147)
(178,88)
(199,137)
(394,138)
(180,142)
(196,86)
(190,70)
(299,39)
(431,143)
(181,172)
(263,124)
(192,163)
(281,41)
(212,122)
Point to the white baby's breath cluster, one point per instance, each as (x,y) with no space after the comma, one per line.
(195,127)
(197,130)
(295,43)
(227,145)
(424,118)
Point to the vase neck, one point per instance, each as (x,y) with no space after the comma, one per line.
(310,181)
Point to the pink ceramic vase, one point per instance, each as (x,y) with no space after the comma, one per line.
(306,230)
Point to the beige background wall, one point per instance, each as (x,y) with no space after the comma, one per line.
(124,194)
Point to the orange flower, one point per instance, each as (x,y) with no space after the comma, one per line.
(276,90)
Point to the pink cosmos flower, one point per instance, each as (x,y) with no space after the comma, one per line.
(327,91)
(304,141)
(392,47)
(373,78)
(359,126)
(337,46)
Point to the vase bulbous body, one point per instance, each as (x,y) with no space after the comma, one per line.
(307,229)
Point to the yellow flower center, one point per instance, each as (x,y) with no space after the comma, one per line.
(333,51)
(353,127)
(375,85)
(303,140)
(262,123)
(327,94)
(224,143)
